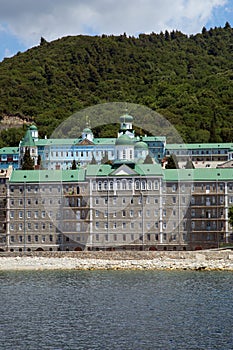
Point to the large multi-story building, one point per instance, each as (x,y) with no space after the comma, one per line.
(121,206)
(127,203)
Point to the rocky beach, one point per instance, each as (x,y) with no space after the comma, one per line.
(125,260)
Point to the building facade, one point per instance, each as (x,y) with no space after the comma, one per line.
(110,207)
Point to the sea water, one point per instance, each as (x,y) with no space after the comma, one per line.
(116,310)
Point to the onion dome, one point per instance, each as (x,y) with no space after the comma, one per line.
(33,127)
(87,131)
(126,118)
(141,145)
(124,140)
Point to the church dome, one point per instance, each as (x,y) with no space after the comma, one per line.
(124,140)
(141,145)
(87,131)
(33,127)
(126,118)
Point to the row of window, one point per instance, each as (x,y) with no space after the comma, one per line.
(125,185)
(30,239)
(132,237)
(31,226)
(132,225)
(43,188)
(79,154)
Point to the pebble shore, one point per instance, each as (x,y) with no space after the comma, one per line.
(182,261)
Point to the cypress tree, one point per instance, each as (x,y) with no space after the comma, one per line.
(28,162)
(74,166)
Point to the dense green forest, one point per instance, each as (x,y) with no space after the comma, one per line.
(188,79)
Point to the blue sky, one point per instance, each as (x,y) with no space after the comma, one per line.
(24,22)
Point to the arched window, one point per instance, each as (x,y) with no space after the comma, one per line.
(143,185)
(137,185)
(149,185)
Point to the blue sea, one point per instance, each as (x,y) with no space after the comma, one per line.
(98,310)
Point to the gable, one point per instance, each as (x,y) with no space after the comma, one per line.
(86,142)
(123,170)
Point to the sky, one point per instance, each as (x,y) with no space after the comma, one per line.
(24,22)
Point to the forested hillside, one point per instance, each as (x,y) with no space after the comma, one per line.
(187,79)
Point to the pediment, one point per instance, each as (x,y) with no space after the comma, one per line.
(85,142)
(123,170)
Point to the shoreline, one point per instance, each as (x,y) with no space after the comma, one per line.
(193,261)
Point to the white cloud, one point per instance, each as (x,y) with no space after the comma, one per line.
(29,20)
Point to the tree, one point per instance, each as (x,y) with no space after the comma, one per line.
(230,215)
(148,160)
(105,159)
(39,160)
(74,166)
(93,161)
(172,162)
(28,162)
(43,41)
(189,164)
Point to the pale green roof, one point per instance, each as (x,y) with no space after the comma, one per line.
(56,142)
(148,169)
(124,140)
(28,140)
(9,150)
(43,176)
(154,138)
(104,141)
(200,174)
(141,145)
(87,130)
(126,118)
(176,146)
(98,170)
